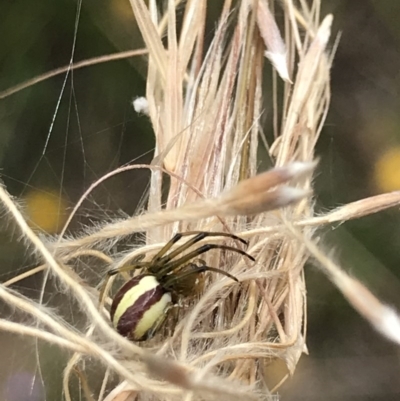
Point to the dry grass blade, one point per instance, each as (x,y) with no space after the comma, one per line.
(358,209)
(150,35)
(381,316)
(71,67)
(276,49)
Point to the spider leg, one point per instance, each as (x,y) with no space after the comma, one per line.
(168,285)
(127,268)
(214,234)
(204,248)
(159,255)
(159,258)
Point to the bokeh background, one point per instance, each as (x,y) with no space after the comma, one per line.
(59,136)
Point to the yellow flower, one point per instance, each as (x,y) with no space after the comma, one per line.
(387,170)
(45,210)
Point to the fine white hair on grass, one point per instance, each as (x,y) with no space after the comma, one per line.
(204,98)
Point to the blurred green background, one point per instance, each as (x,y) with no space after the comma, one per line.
(59,136)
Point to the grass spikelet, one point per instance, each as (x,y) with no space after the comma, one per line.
(205,99)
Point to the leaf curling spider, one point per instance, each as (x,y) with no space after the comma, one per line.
(140,306)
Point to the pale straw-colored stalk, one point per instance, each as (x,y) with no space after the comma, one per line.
(206,103)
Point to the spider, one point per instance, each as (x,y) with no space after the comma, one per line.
(140,306)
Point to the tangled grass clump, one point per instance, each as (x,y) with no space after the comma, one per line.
(206,104)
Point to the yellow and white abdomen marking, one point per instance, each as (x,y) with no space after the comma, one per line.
(152,316)
(138,306)
(147,283)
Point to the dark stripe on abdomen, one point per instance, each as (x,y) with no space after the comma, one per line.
(131,317)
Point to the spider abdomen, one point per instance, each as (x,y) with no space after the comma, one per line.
(139,306)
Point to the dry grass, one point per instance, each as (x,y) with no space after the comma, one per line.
(205,103)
